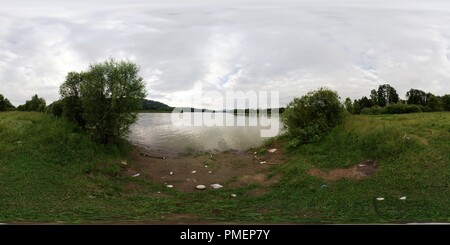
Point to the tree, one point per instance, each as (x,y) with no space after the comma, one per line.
(349,105)
(416,97)
(386,95)
(364,102)
(5,105)
(308,118)
(356,107)
(374,97)
(111,93)
(35,104)
(446,102)
(70,92)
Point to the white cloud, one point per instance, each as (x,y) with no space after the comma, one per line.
(290,46)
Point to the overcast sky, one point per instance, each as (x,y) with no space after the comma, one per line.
(289,46)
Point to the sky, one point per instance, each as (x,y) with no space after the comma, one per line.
(292,47)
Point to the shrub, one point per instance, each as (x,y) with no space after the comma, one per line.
(308,118)
(374,110)
(400,108)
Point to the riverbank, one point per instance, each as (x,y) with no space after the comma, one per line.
(372,169)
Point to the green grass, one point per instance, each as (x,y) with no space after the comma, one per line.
(50,171)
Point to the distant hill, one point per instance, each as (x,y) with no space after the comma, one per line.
(151,105)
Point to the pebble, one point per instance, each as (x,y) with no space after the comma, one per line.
(171,173)
(206,166)
(254,153)
(200,187)
(210,172)
(262,162)
(402,198)
(136,175)
(169,186)
(380,198)
(233,195)
(272,150)
(194,172)
(216,186)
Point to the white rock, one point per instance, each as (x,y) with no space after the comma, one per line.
(402,198)
(254,153)
(272,150)
(380,198)
(262,162)
(124,163)
(200,187)
(361,165)
(171,173)
(136,175)
(210,172)
(233,195)
(169,186)
(194,172)
(216,186)
(206,166)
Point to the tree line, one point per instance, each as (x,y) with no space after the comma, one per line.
(385,100)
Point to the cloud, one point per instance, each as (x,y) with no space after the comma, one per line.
(289,46)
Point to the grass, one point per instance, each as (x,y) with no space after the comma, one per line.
(51,172)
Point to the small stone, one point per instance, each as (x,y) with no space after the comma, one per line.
(272,150)
(210,172)
(361,165)
(380,198)
(402,198)
(124,163)
(233,195)
(171,173)
(323,186)
(136,175)
(159,192)
(169,186)
(200,187)
(254,153)
(262,162)
(216,186)
(206,166)
(194,172)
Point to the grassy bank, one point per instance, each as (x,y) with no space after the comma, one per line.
(50,171)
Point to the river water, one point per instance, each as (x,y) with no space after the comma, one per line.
(157,132)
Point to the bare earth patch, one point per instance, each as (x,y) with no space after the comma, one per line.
(359,171)
(229,169)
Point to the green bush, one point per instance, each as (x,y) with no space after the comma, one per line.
(400,108)
(374,110)
(55,108)
(308,118)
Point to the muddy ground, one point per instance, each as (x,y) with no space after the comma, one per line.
(230,169)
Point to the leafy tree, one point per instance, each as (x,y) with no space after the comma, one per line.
(446,102)
(416,97)
(56,108)
(373,97)
(35,104)
(434,102)
(5,105)
(386,95)
(349,105)
(70,92)
(111,93)
(356,107)
(364,102)
(308,118)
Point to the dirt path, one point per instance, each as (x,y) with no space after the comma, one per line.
(229,169)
